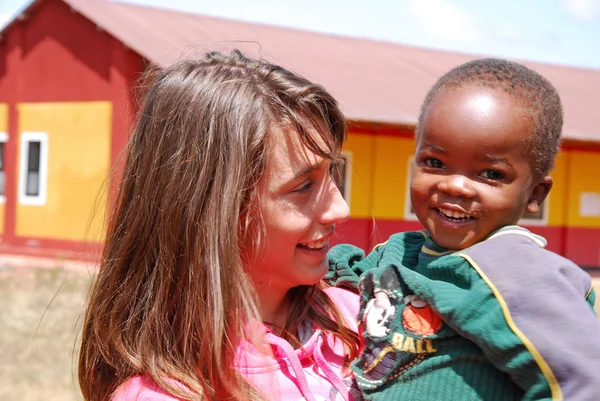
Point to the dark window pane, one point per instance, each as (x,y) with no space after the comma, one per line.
(32,183)
(33,156)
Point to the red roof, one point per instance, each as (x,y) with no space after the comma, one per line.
(373,81)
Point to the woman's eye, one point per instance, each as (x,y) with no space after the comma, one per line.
(332,169)
(304,187)
(433,163)
(492,175)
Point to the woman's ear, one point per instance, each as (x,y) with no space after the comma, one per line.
(538,194)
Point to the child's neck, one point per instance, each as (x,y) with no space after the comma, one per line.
(435,247)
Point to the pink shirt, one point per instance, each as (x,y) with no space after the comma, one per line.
(312,373)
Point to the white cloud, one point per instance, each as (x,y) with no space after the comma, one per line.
(585,10)
(445,21)
(4,19)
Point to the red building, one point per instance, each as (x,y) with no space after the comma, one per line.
(68,71)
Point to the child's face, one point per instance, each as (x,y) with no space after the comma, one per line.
(300,204)
(473,168)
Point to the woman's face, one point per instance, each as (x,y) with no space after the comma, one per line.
(300,205)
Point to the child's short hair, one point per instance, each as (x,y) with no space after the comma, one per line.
(535,93)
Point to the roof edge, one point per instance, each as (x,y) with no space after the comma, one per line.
(18,16)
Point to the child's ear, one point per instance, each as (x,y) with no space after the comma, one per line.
(539,193)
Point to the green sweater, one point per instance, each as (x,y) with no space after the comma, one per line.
(502,320)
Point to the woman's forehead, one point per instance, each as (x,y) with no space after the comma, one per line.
(288,153)
(314,134)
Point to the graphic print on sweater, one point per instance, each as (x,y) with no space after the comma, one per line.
(397,327)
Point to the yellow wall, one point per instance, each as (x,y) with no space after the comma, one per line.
(78,164)
(3,117)
(557,199)
(3,128)
(379,178)
(583,176)
(362,148)
(390,183)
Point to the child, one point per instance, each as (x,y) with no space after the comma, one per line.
(474,307)
(210,285)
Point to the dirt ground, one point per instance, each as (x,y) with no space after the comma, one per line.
(40,310)
(41,304)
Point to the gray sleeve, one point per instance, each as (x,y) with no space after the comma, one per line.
(543,297)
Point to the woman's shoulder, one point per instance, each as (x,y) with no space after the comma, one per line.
(347,302)
(141,388)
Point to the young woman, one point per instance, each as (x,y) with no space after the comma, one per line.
(210,285)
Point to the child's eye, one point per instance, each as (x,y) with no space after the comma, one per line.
(433,163)
(492,175)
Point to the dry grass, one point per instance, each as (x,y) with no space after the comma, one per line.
(40,311)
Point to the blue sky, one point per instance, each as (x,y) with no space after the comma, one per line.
(551,31)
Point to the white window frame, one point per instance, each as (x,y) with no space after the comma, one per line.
(27,137)
(347,155)
(4,139)
(408,213)
(538,222)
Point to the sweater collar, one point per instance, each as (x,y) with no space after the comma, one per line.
(431,250)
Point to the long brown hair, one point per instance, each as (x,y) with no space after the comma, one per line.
(172,298)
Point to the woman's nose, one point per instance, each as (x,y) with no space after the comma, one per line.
(335,208)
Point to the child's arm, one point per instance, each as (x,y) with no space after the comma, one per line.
(347,263)
(528,309)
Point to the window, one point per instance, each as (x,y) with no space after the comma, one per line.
(409,212)
(341,175)
(589,204)
(537,219)
(34,168)
(3,139)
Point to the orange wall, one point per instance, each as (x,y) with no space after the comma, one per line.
(584,186)
(390,182)
(362,148)
(557,199)
(379,194)
(78,165)
(380,180)
(379,175)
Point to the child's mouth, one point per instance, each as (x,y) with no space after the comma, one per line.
(455,216)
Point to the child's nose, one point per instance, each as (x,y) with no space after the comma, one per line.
(457,185)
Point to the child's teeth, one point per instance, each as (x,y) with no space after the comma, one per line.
(453,214)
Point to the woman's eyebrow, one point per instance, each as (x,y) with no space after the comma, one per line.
(309,169)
